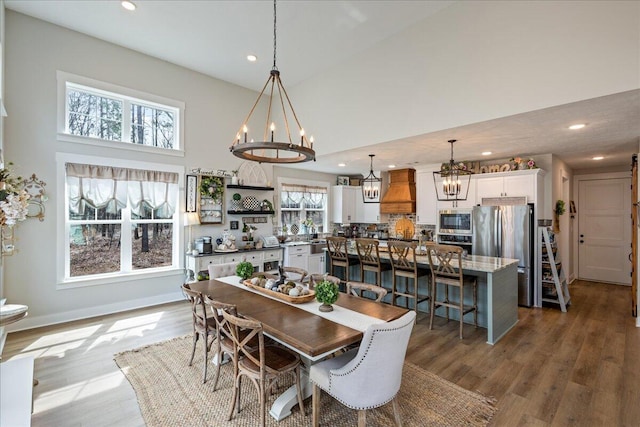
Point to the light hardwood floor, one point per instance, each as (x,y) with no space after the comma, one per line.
(578,368)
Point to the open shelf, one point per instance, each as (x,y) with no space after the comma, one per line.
(243,212)
(250,187)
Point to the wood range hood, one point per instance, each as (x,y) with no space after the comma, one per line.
(400,197)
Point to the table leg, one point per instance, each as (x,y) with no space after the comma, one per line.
(281,408)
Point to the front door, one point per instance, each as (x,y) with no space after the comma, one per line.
(605,230)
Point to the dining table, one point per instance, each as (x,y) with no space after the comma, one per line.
(303,328)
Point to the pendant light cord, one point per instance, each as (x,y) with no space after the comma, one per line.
(274,35)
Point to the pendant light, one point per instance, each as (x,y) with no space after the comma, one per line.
(371,186)
(269,149)
(452,181)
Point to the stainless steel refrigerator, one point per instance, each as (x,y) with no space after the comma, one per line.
(507,232)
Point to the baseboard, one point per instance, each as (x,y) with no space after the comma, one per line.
(30,322)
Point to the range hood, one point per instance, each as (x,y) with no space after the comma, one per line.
(400,197)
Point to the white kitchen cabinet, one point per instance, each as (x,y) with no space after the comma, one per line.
(510,184)
(343,203)
(426,198)
(297,256)
(368,213)
(316,264)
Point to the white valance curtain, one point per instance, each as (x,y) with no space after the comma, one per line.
(296,193)
(110,187)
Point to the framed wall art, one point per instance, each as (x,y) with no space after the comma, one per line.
(343,180)
(191,193)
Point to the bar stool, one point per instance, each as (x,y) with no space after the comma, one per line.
(404,265)
(442,272)
(369,256)
(337,248)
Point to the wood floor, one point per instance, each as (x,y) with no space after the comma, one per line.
(578,368)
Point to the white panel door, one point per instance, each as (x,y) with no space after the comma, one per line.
(605,230)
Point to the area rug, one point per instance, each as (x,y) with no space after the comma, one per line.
(171,393)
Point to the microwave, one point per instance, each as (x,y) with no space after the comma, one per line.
(455,221)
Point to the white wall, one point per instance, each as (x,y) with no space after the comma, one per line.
(35,50)
(471,62)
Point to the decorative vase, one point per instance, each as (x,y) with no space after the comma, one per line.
(235,205)
(325,308)
(234,180)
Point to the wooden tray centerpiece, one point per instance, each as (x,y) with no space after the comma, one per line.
(284,297)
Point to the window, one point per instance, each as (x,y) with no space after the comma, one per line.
(119,220)
(100,113)
(303,208)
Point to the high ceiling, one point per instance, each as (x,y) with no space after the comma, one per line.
(214,38)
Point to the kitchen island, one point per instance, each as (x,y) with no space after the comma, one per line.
(497,290)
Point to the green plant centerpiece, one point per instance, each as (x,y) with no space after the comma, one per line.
(327,293)
(244,270)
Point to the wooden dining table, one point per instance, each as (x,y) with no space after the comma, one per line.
(301,327)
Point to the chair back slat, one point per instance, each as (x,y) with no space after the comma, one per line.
(337,247)
(359,288)
(198,309)
(403,256)
(442,259)
(250,329)
(368,251)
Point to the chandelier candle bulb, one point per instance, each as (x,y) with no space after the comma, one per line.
(301,136)
(273,128)
(245,130)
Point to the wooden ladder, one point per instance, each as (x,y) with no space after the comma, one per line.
(555,288)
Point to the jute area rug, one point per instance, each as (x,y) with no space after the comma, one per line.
(171,393)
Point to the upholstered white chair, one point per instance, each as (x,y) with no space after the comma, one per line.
(222,270)
(367,377)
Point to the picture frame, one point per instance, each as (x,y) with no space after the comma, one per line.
(343,180)
(191,195)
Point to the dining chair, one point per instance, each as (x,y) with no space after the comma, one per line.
(444,273)
(338,254)
(314,279)
(222,270)
(355,378)
(224,344)
(361,289)
(295,274)
(403,263)
(203,326)
(262,366)
(369,256)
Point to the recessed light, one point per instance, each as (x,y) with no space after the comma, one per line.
(577,126)
(486,153)
(252,58)
(129,5)
(342,165)
(392,166)
(598,158)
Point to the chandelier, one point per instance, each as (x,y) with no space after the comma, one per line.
(452,181)
(371,186)
(268,149)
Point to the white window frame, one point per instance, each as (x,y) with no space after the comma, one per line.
(67,80)
(63,279)
(309,183)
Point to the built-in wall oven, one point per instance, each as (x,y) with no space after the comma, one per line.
(455,221)
(465,241)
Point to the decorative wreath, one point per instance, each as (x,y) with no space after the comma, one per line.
(212,186)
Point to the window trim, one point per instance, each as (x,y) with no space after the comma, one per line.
(108,89)
(62,231)
(310,183)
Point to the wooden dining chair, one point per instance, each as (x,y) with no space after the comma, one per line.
(204,326)
(295,274)
(223,342)
(443,272)
(314,279)
(361,289)
(263,366)
(355,378)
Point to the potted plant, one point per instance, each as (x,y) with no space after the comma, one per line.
(235,203)
(327,293)
(244,270)
(559,210)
